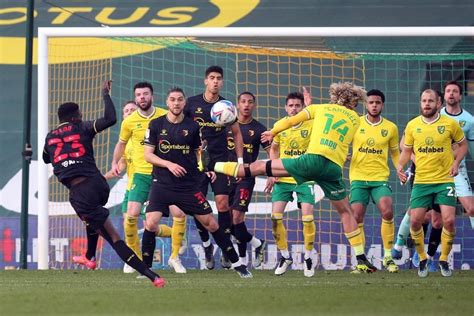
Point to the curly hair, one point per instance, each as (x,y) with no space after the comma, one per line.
(347,94)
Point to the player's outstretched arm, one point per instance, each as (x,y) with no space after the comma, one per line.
(459,156)
(110,115)
(238,141)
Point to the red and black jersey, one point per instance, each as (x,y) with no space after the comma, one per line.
(251,134)
(198,109)
(175,142)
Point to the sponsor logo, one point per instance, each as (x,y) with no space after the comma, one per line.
(328,143)
(368,150)
(165,146)
(431,149)
(294,152)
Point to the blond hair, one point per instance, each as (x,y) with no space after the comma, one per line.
(347,94)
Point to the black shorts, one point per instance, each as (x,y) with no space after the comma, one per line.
(241,194)
(88,199)
(191,202)
(220,187)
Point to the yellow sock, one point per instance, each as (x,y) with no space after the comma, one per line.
(163,231)
(309,231)
(419,240)
(130,225)
(229,168)
(355,240)
(362,234)
(446,244)
(387,230)
(177,235)
(279,231)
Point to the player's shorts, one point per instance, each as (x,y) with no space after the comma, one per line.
(364,191)
(191,202)
(312,167)
(88,199)
(426,195)
(283,192)
(462,183)
(125,202)
(140,188)
(241,194)
(221,186)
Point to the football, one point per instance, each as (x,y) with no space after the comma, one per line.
(223,113)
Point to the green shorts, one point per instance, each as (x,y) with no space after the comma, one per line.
(140,188)
(363,191)
(284,192)
(125,202)
(317,168)
(426,195)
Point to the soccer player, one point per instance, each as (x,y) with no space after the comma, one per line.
(171,146)
(334,126)
(452,97)
(69,149)
(292,143)
(214,136)
(369,170)
(133,131)
(429,137)
(242,189)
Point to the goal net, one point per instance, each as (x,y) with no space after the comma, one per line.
(268,62)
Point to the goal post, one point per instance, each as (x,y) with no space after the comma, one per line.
(292,50)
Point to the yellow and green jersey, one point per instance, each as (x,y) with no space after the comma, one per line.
(431,144)
(127,155)
(293,143)
(133,130)
(334,127)
(370,148)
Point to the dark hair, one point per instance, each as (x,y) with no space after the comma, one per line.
(248,93)
(128,102)
(175,89)
(376,93)
(143,84)
(68,111)
(295,95)
(214,68)
(454,82)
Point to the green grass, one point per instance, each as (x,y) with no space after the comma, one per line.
(224,293)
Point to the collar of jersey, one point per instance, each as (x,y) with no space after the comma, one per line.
(147,117)
(447,113)
(246,123)
(373,124)
(429,123)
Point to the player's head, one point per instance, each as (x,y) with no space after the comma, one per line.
(246,104)
(347,94)
(214,79)
(128,108)
(143,92)
(294,103)
(69,112)
(429,103)
(452,93)
(375,102)
(175,100)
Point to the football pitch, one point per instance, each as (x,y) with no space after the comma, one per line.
(223,293)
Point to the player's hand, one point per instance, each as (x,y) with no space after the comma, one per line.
(348,157)
(106,87)
(401,175)
(454,170)
(308,99)
(269,185)
(115,171)
(267,136)
(211,175)
(176,170)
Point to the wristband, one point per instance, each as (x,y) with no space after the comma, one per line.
(240,161)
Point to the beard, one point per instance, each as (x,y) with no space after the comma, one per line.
(145,106)
(429,113)
(374,115)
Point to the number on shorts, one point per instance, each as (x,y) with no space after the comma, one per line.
(451,191)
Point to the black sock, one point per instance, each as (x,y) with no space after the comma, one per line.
(92,240)
(148,247)
(203,233)
(225,222)
(243,237)
(242,246)
(425,228)
(130,258)
(223,241)
(435,239)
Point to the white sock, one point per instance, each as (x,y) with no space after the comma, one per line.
(237,264)
(307,254)
(243,260)
(206,244)
(398,247)
(255,242)
(285,253)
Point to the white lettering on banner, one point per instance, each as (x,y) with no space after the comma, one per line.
(10,195)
